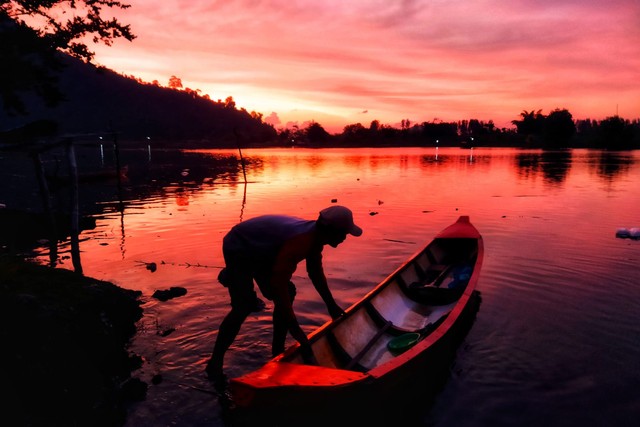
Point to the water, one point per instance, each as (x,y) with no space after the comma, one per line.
(556,341)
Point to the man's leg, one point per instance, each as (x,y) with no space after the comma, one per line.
(227,333)
(240,286)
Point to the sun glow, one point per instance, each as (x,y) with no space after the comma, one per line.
(339,64)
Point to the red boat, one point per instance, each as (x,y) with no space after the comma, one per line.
(385,352)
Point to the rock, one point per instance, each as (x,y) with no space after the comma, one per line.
(172,292)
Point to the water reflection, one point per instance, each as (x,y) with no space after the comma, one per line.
(609,165)
(180,175)
(553,165)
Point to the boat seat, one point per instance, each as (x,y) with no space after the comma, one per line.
(427,268)
(445,289)
(354,333)
(406,314)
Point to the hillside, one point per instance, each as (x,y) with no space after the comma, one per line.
(100,100)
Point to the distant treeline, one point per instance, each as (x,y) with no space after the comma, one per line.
(99,100)
(533,130)
(558,129)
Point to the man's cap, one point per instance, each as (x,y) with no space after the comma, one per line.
(340,218)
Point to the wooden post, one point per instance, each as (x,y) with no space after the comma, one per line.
(121,205)
(116,152)
(244,201)
(244,173)
(48,209)
(75,229)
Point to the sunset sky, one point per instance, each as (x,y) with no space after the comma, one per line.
(341,62)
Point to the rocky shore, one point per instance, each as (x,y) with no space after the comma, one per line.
(65,338)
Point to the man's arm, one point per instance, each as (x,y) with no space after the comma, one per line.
(281,275)
(286,262)
(319,280)
(280,278)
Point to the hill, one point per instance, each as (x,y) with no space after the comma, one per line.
(101,100)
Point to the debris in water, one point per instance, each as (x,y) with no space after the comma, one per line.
(172,292)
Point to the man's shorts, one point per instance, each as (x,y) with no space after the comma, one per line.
(240,286)
(239,282)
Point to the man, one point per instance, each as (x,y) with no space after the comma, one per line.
(267,249)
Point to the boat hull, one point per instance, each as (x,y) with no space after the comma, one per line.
(360,373)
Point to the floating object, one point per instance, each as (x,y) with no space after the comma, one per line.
(624,233)
(167,294)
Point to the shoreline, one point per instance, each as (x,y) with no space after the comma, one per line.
(66,338)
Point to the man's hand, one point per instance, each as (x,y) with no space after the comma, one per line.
(335,311)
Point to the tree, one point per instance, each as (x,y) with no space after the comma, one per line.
(229,103)
(559,128)
(34,32)
(354,129)
(445,133)
(256,116)
(175,83)
(531,124)
(615,133)
(316,133)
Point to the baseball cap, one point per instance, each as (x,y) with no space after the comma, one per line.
(340,218)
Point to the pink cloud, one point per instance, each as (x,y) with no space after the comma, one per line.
(412,59)
(272,119)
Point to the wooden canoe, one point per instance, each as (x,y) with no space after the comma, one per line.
(370,356)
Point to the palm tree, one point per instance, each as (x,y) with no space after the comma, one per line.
(531,124)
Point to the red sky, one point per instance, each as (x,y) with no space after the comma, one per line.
(342,62)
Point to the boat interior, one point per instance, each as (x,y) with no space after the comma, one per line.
(405,308)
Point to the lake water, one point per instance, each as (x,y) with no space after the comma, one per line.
(556,341)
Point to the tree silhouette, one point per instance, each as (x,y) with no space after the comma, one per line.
(316,133)
(354,129)
(531,124)
(230,103)
(559,128)
(34,32)
(175,83)
(615,133)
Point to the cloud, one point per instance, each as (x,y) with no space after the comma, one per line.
(405,59)
(272,119)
